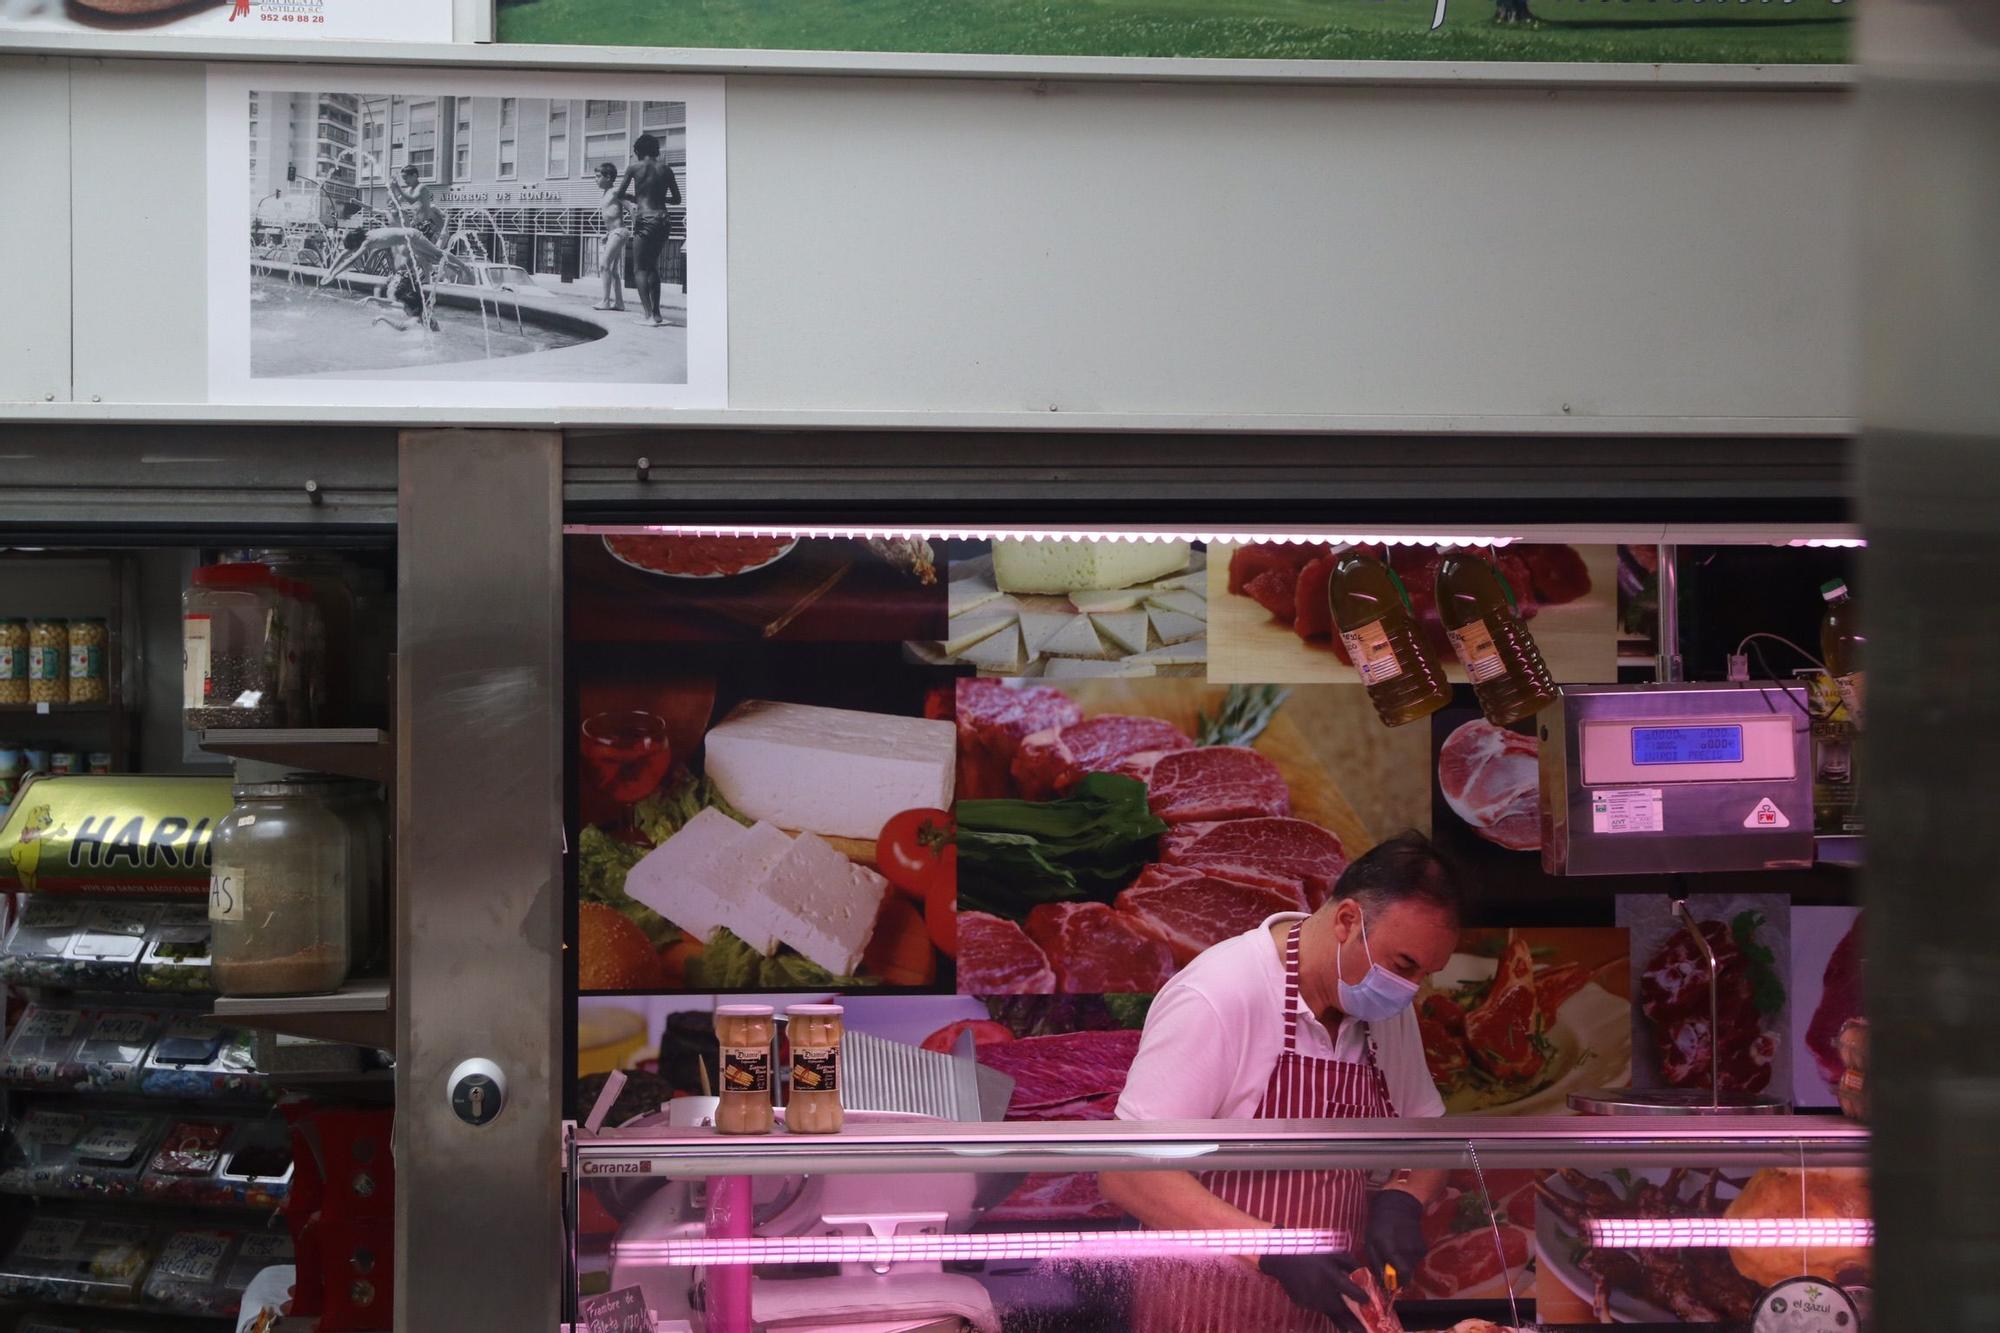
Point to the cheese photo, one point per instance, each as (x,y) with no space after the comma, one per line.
(771,825)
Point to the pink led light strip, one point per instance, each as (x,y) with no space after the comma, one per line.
(1742,1233)
(987,1245)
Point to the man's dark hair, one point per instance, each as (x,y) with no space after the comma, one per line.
(411,170)
(607,169)
(352,241)
(1407,868)
(646,146)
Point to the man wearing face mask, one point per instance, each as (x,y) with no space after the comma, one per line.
(1305,1017)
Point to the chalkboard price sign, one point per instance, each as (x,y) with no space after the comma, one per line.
(621,1311)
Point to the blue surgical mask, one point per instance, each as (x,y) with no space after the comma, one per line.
(1379,994)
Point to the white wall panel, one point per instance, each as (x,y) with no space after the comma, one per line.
(1393,250)
(140,278)
(34,229)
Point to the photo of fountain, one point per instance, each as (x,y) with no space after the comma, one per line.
(430,236)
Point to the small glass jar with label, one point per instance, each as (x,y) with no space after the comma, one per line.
(278,898)
(88,683)
(743,1035)
(65,763)
(13,661)
(814,1032)
(48,662)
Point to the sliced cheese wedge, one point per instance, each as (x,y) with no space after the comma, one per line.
(1060,668)
(1196,583)
(1181,600)
(1173,627)
(1037,627)
(968,630)
(999,655)
(1109,599)
(1078,638)
(1188,653)
(969,594)
(1127,629)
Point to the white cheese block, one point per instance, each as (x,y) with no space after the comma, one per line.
(1187,653)
(997,656)
(1127,629)
(968,594)
(1076,639)
(1181,600)
(1038,626)
(1066,565)
(1073,667)
(1173,627)
(1107,599)
(706,875)
(829,770)
(822,904)
(1195,582)
(968,630)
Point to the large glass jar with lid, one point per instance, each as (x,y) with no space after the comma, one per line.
(329,584)
(359,804)
(232,641)
(278,888)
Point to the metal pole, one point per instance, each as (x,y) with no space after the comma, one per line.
(1668,664)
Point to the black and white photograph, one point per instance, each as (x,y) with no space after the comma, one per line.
(444,243)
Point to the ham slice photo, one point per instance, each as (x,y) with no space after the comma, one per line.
(1491,779)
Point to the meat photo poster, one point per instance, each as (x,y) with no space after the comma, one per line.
(1826,995)
(1751,935)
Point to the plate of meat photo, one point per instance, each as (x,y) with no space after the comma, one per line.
(1699,1284)
(1521,1018)
(697,557)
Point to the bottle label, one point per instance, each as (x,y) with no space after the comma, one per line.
(45,663)
(746,1069)
(225,893)
(1476,650)
(86,661)
(195,635)
(815,1069)
(1852,687)
(13,664)
(1372,654)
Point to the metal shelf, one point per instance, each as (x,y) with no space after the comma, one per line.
(1224,1145)
(367,753)
(360,1013)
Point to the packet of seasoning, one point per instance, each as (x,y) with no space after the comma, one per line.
(109,1056)
(46,1038)
(35,949)
(176,958)
(113,836)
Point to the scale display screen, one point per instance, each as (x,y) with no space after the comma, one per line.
(1687,745)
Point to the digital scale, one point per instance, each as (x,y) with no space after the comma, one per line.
(1675,779)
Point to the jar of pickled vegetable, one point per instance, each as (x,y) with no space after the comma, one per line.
(87,643)
(48,662)
(743,1033)
(814,1031)
(13,661)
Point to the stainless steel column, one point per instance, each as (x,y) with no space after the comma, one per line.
(1929,186)
(479,877)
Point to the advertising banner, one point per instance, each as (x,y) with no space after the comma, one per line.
(342,20)
(465,239)
(1648,31)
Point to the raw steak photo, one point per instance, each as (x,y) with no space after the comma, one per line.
(1491,779)
(1285,854)
(1050,762)
(996,957)
(1214,782)
(1191,910)
(1098,951)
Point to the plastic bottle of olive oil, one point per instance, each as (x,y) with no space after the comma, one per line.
(1372,613)
(1492,641)
(1840,644)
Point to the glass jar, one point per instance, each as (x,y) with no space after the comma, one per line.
(814,1031)
(307,645)
(48,662)
(65,763)
(359,805)
(100,762)
(743,1035)
(88,642)
(277,899)
(328,587)
(13,661)
(232,625)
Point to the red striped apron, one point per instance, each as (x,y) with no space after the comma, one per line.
(1226,1296)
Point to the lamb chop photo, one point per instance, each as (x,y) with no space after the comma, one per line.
(1697,1284)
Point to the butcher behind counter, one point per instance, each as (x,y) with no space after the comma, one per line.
(1305,1017)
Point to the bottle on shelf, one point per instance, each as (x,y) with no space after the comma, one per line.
(1372,613)
(1840,645)
(1492,641)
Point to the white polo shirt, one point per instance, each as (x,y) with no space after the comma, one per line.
(1215,1031)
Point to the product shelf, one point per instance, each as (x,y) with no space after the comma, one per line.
(360,1013)
(367,753)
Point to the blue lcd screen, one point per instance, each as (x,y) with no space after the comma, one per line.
(1687,745)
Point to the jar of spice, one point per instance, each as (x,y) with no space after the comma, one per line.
(87,643)
(814,1031)
(13,661)
(48,662)
(100,762)
(743,1033)
(232,626)
(64,763)
(277,900)
(329,588)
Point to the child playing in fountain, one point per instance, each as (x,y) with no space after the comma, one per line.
(359,244)
(611,216)
(418,209)
(656,187)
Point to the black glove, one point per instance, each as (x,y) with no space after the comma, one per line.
(1320,1283)
(1396,1233)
